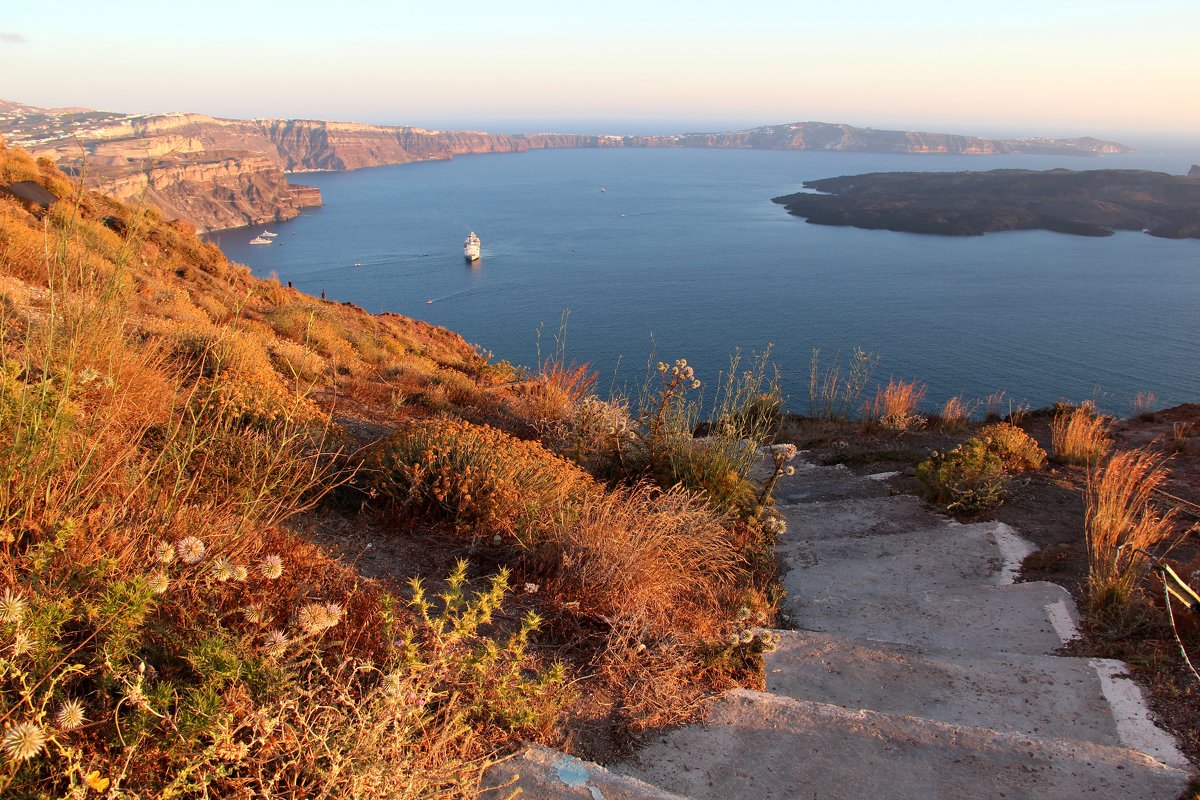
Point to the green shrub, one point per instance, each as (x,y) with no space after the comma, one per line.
(967,479)
(1014,447)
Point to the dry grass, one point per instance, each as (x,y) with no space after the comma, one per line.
(1080,435)
(896,407)
(1121,519)
(155,437)
(955,415)
(653,562)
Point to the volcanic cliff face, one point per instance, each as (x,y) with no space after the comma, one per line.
(220,173)
(225,190)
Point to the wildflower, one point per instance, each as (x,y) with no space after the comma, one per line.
(277,642)
(315,617)
(734,640)
(744,612)
(22,643)
(790,470)
(70,715)
(222,570)
(531,588)
(747,636)
(164,553)
(240,573)
(159,582)
(253,615)
(189,549)
(271,567)
(23,741)
(12,606)
(136,695)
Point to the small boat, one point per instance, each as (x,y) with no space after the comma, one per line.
(357,264)
(471,248)
(268,235)
(260,240)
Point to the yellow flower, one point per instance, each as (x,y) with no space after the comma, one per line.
(96,783)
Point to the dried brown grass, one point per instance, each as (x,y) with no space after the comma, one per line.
(896,407)
(1080,435)
(1122,519)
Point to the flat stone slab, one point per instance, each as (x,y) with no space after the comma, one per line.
(946,557)
(1037,695)
(540,773)
(813,482)
(756,745)
(871,516)
(1002,619)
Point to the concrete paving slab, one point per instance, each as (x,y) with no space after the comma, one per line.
(871,516)
(813,482)
(1004,619)
(1039,695)
(540,773)
(756,745)
(953,556)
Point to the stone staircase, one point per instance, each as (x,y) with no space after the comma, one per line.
(917,669)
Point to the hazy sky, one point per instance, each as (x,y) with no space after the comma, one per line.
(1052,66)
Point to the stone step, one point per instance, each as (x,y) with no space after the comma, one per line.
(1034,618)
(1051,696)
(757,745)
(949,557)
(540,773)
(813,483)
(870,516)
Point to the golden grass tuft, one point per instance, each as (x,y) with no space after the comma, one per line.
(1121,519)
(1080,435)
(896,407)
(954,415)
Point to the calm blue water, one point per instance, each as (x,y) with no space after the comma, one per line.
(684,255)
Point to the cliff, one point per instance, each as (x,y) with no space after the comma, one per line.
(1088,203)
(238,165)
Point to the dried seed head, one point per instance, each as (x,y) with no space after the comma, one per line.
(189,549)
(271,567)
(240,573)
(12,606)
(23,741)
(164,553)
(222,570)
(70,715)
(159,582)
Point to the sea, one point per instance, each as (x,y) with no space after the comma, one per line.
(621,258)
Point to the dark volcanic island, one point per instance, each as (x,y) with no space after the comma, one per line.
(1087,202)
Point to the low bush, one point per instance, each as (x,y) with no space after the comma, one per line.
(1015,448)
(968,479)
(475,477)
(1079,435)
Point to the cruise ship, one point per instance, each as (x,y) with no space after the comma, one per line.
(471,247)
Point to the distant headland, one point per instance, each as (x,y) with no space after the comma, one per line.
(225,173)
(1087,203)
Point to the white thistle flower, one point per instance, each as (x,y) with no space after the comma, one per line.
(335,612)
(70,715)
(189,549)
(271,567)
(240,573)
(159,582)
(314,618)
(164,553)
(222,570)
(12,606)
(277,642)
(23,741)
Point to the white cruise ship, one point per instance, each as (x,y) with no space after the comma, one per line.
(471,247)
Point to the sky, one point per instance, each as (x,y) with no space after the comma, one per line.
(1052,67)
